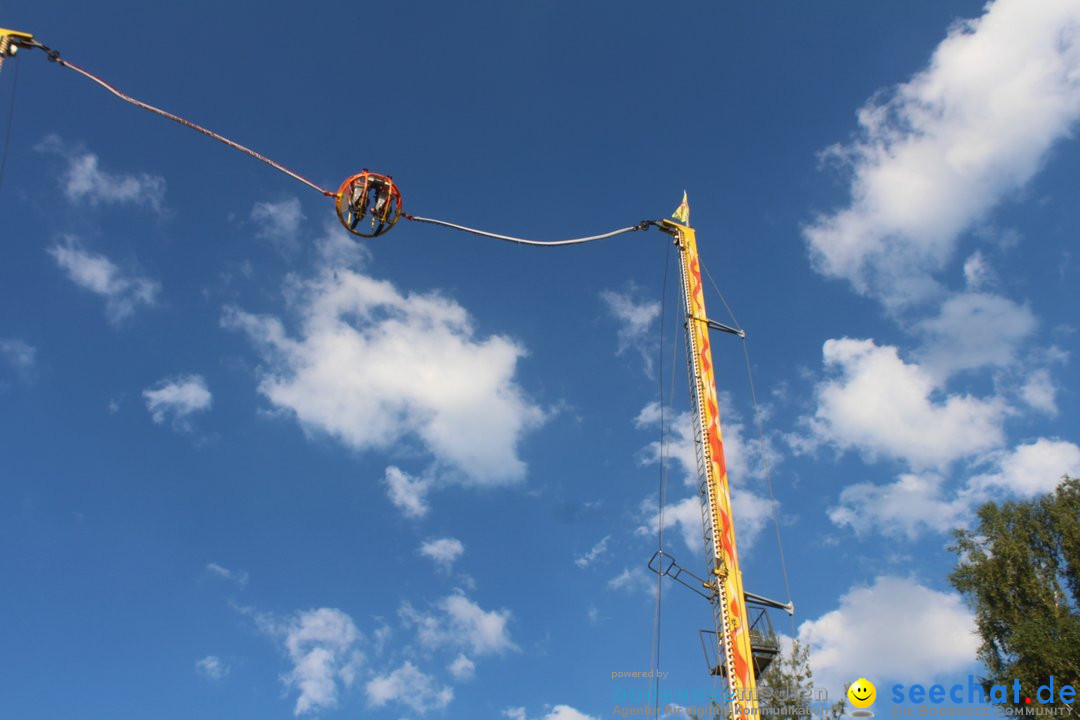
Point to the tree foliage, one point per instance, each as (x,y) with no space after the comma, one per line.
(786,688)
(1020,571)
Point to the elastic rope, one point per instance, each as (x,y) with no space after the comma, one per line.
(523,241)
(187,123)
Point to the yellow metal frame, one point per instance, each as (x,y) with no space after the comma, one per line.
(10,40)
(733,638)
(4,32)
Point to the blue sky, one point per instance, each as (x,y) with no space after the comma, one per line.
(251,468)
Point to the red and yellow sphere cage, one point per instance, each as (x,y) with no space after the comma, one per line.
(368,193)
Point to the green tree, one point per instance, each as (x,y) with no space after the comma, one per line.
(1019,569)
(786,689)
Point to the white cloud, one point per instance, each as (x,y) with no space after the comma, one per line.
(17,353)
(565,712)
(407,493)
(917,503)
(893,629)
(237,576)
(458,622)
(558,712)
(907,507)
(123,293)
(684,516)
(635,319)
(1040,392)
(462,668)
(1029,469)
(177,398)
(20,356)
(322,645)
(584,561)
(376,368)
(977,272)
(633,580)
(85,182)
(410,687)
(278,222)
(339,248)
(972,331)
(880,405)
(752,514)
(444,551)
(212,667)
(936,153)
(679,439)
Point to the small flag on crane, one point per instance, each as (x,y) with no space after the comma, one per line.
(682,213)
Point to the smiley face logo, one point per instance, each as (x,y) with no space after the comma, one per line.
(862,693)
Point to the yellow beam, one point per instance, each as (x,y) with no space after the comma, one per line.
(733,639)
(4,32)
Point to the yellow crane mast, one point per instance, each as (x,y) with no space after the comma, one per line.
(744,639)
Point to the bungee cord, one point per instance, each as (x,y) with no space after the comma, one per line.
(643,225)
(361,196)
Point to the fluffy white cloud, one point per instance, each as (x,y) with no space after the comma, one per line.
(177,398)
(407,493)
(558,712)
(123,293)
(936,153)
(322,645)
(917,503)
(278,222)
(408,686)
(337,248)
(972,331)
(977,272)
(584,561)
(634,319)
(462,668)
(679,439)
(893,629)
(84,181)
(374,368)
(633,580)
(684,516)
(1029,469)
(458,622)
(908,507)
(237,576)
(565,712)
(212,667)
(1040,393)
(443,551)
(882,406)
